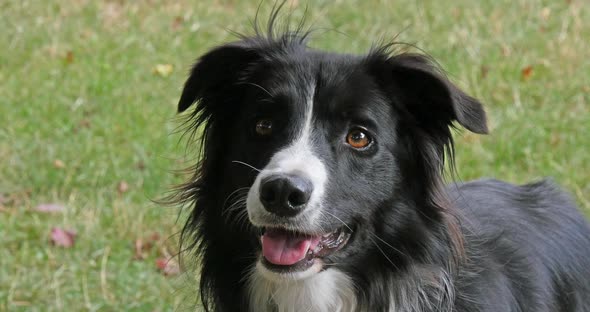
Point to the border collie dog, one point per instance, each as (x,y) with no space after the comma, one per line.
(320,188)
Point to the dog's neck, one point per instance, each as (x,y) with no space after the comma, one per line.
(328,291)
(422,288)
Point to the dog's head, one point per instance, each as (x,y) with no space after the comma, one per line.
(326,153)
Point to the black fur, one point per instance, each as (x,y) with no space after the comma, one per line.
(503,247)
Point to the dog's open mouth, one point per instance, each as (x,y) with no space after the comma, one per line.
(285,250)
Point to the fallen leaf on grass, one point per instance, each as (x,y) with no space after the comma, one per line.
(59,164)
(143,246)
(177,23)
(155,236)
(141,249)
(163,70)
(140,165)
(63,238)
(527,72)
(50,208)
(122,187)
(168,266)
(69,58)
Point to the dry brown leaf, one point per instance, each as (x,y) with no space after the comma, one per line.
(141,249)
(143,246)
(527,72)
(177,23)
(155,236)
(69,58)
(59,164)
(62,237)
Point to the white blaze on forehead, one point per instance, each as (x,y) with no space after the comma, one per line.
(298,158)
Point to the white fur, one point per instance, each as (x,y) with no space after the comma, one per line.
(297,158)
(328,291)
(310,290)
(424,289)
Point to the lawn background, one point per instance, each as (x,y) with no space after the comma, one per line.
(87,120)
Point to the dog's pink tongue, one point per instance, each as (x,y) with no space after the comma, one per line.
(282,248)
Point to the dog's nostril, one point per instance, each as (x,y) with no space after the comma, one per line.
(297,198)
(285,195)
(268,193)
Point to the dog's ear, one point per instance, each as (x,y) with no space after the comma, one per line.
(426,94)
(216,73)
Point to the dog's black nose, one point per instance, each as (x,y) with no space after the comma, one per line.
(285,195)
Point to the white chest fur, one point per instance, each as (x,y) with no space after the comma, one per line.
(328,291)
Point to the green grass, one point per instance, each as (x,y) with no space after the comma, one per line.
(104,113)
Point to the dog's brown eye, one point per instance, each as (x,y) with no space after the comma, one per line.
(264,127)
(358,138)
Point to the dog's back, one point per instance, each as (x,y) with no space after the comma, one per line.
(532,242)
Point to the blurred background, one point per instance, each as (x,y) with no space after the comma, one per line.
(88,93)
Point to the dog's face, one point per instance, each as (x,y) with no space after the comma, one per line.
(320,147)
(327,141)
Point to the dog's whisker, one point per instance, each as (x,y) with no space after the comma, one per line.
(236,206)
(374,242)
(237,191)
(238,211)
(383,253)
(245,164)
(335,217)
(389,245)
